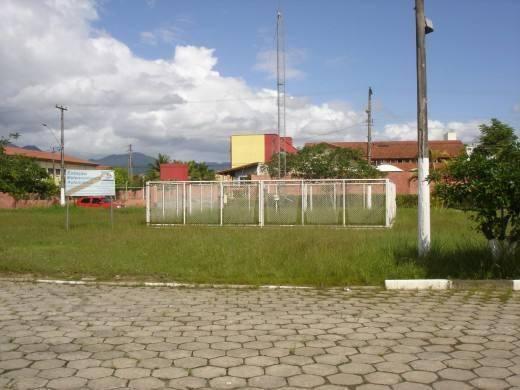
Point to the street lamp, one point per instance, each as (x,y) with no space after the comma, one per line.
(62,164)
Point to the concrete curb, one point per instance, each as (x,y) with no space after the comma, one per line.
(398,284)
(446,284)
(176,284)
(418,284)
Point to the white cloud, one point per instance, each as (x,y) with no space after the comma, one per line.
(179,105)
(266,63)
(167,35)
(466,131)
(516,107)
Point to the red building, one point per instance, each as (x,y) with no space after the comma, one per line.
(174,172)
(398,159)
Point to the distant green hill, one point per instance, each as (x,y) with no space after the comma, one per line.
(141,162)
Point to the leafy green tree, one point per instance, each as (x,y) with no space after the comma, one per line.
(487,183)
(325,162)
(200,171)
(121,175)
(22,177)
(154,169)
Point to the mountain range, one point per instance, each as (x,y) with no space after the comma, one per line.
(141,162)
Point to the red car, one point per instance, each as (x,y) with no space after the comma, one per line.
(97,201)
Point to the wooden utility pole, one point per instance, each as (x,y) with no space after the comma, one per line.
(369,127)
(130,166)
(422,28)
(62,150)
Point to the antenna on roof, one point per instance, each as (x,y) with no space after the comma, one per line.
(280,88)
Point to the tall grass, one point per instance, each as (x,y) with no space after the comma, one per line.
(34,241)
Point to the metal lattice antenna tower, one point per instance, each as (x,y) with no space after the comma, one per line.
(280,88)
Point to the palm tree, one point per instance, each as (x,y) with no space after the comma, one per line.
(154,169)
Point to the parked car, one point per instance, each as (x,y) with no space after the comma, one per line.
(97,201)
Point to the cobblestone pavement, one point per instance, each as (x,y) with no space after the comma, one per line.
(79,337)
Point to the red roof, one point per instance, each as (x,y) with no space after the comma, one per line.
(392,150)
(46,156)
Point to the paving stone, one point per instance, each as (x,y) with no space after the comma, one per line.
(320,369)
(69,383)
(94,372)
(267,382)
(283,370)
(47,364)
(297,360)
(228,361)
(227,382)
(306,380)
(420,376)
(14,364)
(60,372)
(345,379)
(119,363)
(132,373)
(154,363)
(409,386)
(382,378)
(188,382)
(396,368)
(492,372)
(490,384)
(190,362)
(288,339)
(107,383)
(146,384)
(170,373)
(456,374)
(451,385)
(208,372)
(261,361)
(26,383)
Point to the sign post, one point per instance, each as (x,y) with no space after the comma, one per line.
(82,182)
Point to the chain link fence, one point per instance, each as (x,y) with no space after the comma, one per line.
(272,202)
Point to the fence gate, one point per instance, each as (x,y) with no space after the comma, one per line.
(272,202)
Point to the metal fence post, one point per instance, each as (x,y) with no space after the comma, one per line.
(369,196)
(344,203)
(303,201)
(310,198)
(184,203)
(261,215)
(163,202)
(387,201)
(221,203)
(148,203)
(176,200)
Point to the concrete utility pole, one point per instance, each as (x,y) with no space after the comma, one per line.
(130,166)
(369,126)
(423,27)
(62,149)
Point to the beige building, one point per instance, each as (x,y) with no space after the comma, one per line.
(51,161)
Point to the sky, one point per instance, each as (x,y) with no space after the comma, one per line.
(179,77)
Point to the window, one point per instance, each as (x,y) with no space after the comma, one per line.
(96,201)
(85,200)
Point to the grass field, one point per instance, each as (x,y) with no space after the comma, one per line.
(34,241)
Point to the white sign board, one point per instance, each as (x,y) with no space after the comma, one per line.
(92,182)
